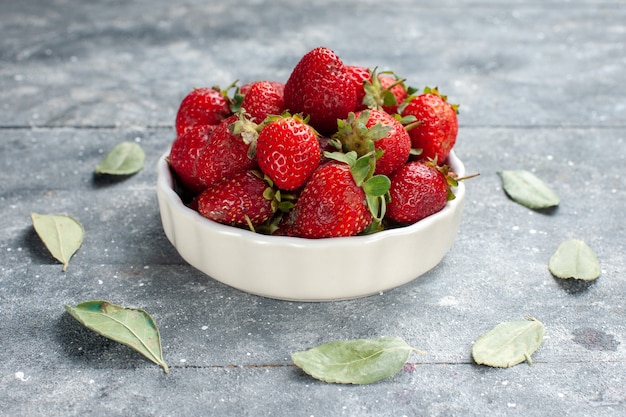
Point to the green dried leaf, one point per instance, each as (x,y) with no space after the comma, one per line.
(509,343)
(61,234)
(574,259)
(129,326)
(359,361)
(526,189)
(125,158)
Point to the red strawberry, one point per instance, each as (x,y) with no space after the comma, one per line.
(287,150)
(262,99)
(359,76)
(183,155)
(340,199)
(437,127)
(278,85)
(321,87)
(418,189)
(239,200)
(368,130)
(331,205)
(223,155)
(202,106)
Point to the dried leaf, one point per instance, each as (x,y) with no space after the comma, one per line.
(574,259)
(61,234)
(125,158)
(129,326)
(526,189)
(509,343)
(359,361)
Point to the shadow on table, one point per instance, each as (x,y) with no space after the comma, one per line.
(35,249)
(105,180)
(575,286)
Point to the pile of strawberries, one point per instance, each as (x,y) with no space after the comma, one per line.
(336,150)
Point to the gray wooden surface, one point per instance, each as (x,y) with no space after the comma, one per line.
(541,86)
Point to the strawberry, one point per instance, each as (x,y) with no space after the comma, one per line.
(437,127)
(183,154)
(359,76)
(321,88)
(370,130)
(417,190)
(288,151)
(261,99)
(202,106)
(223,155)
(239,200)
(278,85)
(340,199)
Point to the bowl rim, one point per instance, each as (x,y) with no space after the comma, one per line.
(165,184)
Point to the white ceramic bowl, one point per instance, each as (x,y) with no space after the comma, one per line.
(301,269)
